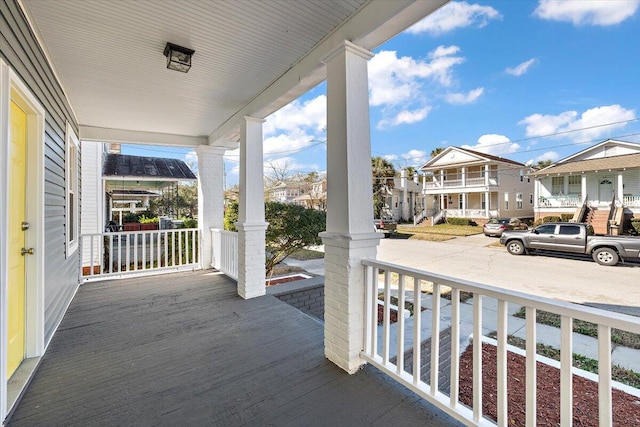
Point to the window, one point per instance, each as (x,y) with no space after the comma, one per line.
(569,229)
(557,185)
(575,184)
(460,200)
(73,184)
(519,201)
(546,229)
(506,201)
(530,199)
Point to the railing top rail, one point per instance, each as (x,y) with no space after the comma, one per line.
(124,233)
(220,230)
(594,315)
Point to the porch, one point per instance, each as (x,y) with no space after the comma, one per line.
(186,349)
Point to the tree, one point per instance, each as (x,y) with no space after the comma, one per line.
(177,200)
(291,227)
(543,164)
(383,173)
(436,151)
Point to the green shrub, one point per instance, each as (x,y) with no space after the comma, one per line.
(635,223)
(566,217)
(144,220)
(549,218)
(458,221)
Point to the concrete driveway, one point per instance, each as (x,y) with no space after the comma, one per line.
(578,280)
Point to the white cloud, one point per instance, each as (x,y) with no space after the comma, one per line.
(549,155)
(394,80)
(285,144)
(415,157)
(404,117)
(464,98)
(520,69)
(590,125)
(593,12)
(390,157)
(311,114)
(494,144)
(453,16)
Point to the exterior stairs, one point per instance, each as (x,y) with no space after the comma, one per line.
(599,220)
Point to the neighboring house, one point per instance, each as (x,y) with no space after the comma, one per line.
(603,177)
(316,198)
(288,191)
(470,184)
(405,200)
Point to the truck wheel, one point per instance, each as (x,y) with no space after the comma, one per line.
(515,247)
(605,256)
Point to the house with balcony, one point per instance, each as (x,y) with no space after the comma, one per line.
(604,178)
(211,346)
(469,184)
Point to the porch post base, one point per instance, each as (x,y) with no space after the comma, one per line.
(251,259)
(344,289)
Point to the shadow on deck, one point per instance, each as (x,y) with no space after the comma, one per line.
(185,349)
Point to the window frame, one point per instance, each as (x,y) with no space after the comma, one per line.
(72,191)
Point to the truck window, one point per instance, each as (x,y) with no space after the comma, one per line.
(546,229)
(569,229)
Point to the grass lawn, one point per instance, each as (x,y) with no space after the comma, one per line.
(306,254)
(436,233)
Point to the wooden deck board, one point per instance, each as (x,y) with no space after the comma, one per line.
(184,349)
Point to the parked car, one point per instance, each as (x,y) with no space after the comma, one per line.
(496,226)
(386,226)
(573,238)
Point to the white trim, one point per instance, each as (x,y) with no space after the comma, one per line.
(98,134)
(11,88)
(72,175)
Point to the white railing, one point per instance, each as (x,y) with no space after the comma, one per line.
(386,346)
(631,201)
(466,213)
(560,201)
(474,181)
(225,251)
(432,185)
(453,183)
(138,252)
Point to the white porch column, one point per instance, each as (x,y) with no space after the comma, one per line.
(405,203)
(486,175)
(251,224)
(583,183)
(210,198)
(349,237)
(487,200)
(620,186)
(463,176)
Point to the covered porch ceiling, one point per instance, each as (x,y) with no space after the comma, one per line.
(251,58)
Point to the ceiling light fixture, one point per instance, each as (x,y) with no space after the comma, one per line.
(178,57)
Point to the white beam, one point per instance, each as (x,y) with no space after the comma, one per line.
(92,133)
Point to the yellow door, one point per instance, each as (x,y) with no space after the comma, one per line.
(17,190)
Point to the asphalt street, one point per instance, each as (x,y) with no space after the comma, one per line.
(578,280)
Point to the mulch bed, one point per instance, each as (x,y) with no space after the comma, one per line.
(626,408)
(393,315)
(280,280)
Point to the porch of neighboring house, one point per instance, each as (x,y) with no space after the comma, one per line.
(186,349)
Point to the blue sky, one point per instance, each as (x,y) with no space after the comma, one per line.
(527,80)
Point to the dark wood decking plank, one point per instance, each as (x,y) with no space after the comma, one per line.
(185,349)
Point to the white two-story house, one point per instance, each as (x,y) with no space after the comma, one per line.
(604,176)
(470,184)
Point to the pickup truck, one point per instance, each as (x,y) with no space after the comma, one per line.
(386,226)
(573,238)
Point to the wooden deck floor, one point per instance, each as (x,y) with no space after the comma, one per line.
(184,349)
